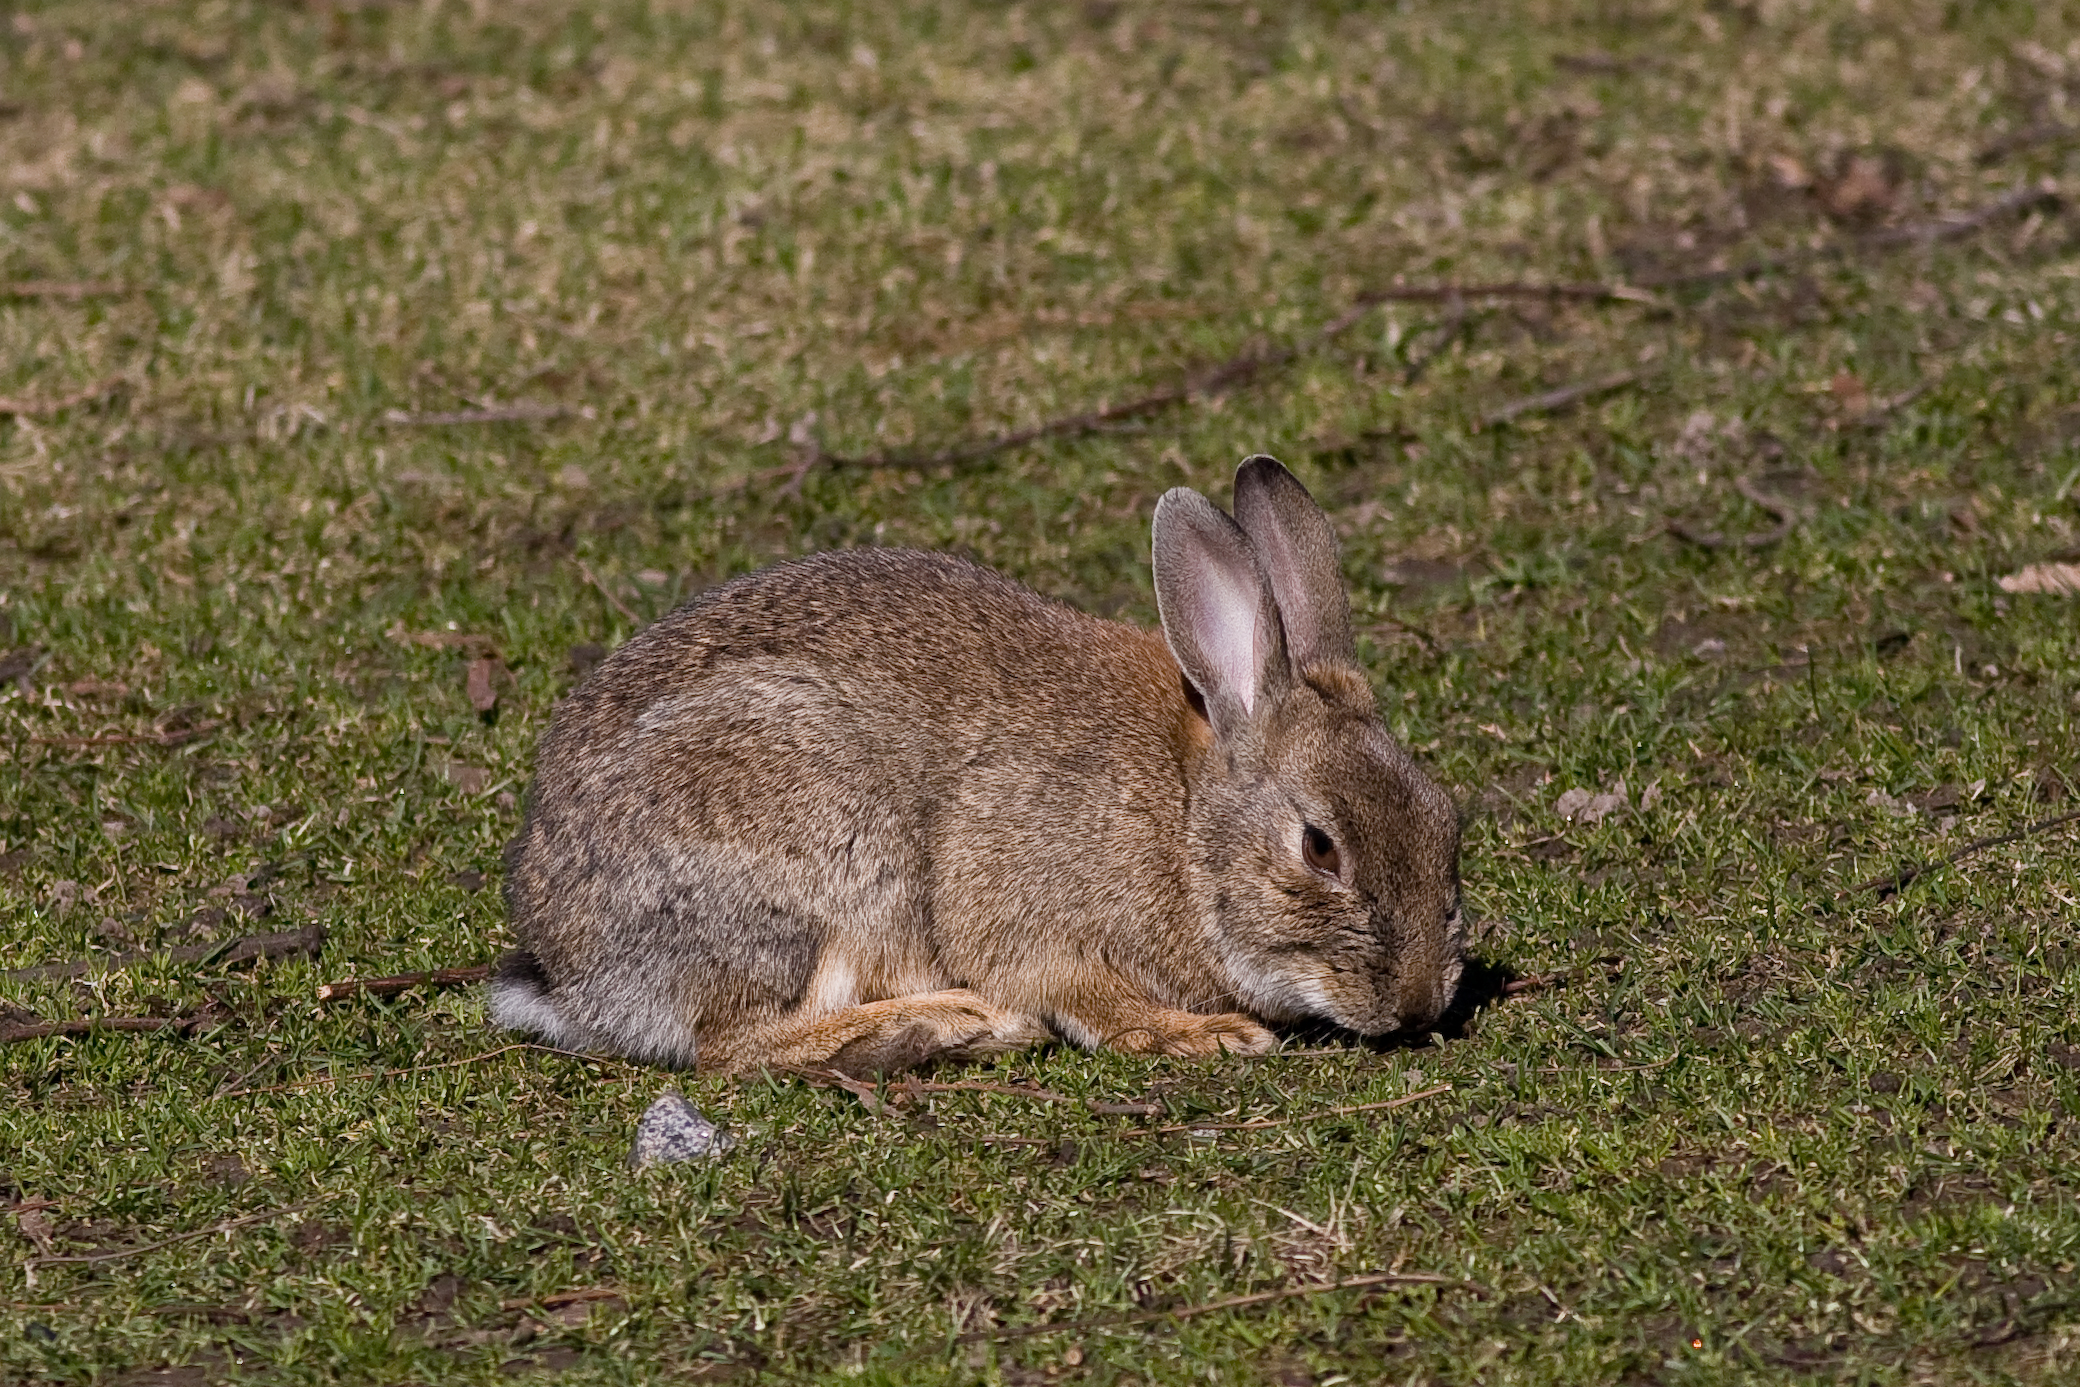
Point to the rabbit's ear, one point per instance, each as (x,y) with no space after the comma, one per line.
(1219,615)
(1296,548)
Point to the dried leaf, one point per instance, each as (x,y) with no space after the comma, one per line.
(483,695)
(1850,392)
(36,1227)
(2060,578)
(471,780)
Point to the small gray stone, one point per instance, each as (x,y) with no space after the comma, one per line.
(674,1130)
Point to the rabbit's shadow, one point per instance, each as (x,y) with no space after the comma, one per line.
(1481,985)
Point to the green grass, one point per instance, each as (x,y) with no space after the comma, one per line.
(1764,1131)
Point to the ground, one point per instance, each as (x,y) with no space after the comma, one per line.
(369,368)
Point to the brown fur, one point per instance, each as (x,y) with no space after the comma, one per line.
(878,806)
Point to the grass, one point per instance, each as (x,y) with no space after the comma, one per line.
(1765,1129)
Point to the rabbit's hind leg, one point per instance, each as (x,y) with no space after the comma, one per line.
(889,1036)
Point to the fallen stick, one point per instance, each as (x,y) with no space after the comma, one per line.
(1558,399)
(1235,371)
(2043,132)
(1258,1125)
(38,409)
(1786,514)
(142,1248)
(12,1031)
(317,1080)
(1507,289)
(402,982)
(173,738)
(306,941)
(1887,886)
(572,1297)
(65,289)
(1184,1312)
(490,414)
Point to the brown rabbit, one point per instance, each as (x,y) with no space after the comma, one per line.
(877,806)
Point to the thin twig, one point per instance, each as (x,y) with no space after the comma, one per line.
(1260,1124)
(38,409)
(2043,132)
(1183,1312)
(12,1031)
(490,414)
(321,1079)
(177,737)
(1784,511)
(606,592)
(876,1095)
(1449,330)
(403,982)
(65,289)
(1553,400)
(307,941)
(555,1299)
(1236,371)
(143,1248)
(1887,886)
(1508,289)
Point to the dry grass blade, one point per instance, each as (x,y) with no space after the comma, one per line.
(616,603)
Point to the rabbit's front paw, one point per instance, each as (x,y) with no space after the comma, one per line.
(1226,1034)
(1165,1032)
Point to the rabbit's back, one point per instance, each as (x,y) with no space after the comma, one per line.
(868,773)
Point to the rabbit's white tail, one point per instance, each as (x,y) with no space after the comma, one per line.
(520,1001)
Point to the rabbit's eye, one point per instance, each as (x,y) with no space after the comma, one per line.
(1320,851)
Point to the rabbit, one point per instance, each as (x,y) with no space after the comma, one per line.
(879,806)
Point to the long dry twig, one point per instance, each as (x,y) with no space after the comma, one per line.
(1258,1125)
(2043,132)
(12,1031)
(175,737)
(319,1080)
(1552,400)
(1182,1312)
(142,1248)
(307,941)
(878,1096)
(1236,371)
(1887,886)
(490,414)
(1784,511)
(402,982)
(39,409)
